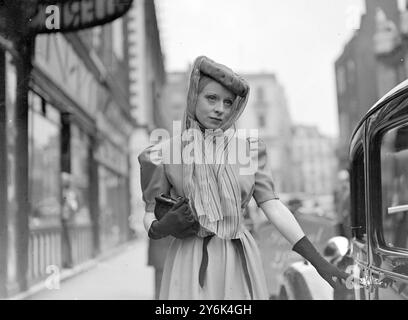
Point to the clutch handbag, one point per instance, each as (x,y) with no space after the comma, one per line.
(163,204)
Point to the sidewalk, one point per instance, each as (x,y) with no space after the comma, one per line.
(124,276)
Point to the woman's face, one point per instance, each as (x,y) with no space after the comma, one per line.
(214,105)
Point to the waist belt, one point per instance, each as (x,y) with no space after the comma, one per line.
(204,262)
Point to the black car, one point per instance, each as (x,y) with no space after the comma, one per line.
(379,200)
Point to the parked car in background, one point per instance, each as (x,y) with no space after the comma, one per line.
(287,275)
(377,257)
(302,282)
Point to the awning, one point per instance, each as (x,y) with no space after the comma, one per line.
(70,15)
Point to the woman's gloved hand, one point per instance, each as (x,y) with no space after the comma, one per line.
(327,271)
(188,232)
(178,222)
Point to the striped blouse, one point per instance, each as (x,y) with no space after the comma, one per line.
(161,172)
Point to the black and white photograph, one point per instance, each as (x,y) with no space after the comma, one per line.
(198,150)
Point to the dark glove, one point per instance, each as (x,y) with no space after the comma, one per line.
(176,222)
(188,232)
(327,271)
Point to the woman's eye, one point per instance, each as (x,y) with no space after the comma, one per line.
(212,98)
(228,103)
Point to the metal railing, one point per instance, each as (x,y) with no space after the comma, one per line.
(81,242)
(45,249)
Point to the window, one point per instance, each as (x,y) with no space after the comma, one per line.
(260,94)
(96,35)
(80,146)
(394,181)
(113,194)
(261,121)
(344,126)
(341,80)
(44,159)
(356,197)
(11,130)
(351,68)
(113,207)
(117,39)
(11,82)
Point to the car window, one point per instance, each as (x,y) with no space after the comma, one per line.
(394,181)
(358,215)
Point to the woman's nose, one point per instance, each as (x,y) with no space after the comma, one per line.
(219,107)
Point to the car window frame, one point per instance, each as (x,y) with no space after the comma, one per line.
(358,151)
(374,201)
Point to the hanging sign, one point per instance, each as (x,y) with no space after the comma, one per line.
(72,15)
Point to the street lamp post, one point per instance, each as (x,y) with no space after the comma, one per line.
(23,68)
(3,178)
(16,16)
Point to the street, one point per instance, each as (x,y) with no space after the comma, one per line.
(122,277)
(288,120)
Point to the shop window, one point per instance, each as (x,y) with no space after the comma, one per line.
(11,129)
(80,171)
(117,39)
(394,181)
(113,207)
(96,34)
(11,81)
(44,159)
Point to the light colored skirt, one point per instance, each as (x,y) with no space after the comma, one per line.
(225,277)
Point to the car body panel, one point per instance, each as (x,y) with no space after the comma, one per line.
(383,269)
(278,256)
(302,282)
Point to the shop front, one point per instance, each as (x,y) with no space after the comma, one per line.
(113,196)
(78,190)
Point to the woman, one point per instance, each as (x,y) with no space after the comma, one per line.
(221,260)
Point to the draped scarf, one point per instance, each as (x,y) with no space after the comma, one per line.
(210,181)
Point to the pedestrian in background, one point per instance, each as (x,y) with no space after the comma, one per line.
(157,251)
(69,209)
(220,259)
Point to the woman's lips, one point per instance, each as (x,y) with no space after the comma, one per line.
(215,119)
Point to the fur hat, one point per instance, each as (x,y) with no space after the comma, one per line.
(224,75)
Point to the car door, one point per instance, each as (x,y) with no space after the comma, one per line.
(358,261)
(387,136)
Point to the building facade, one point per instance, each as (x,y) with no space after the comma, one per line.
(360,78)
(79,125)
(174,100)
(373,62)
(314,162)
(391,49)
(146,77)
(267,111)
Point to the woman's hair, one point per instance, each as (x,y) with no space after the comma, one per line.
(204,80)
